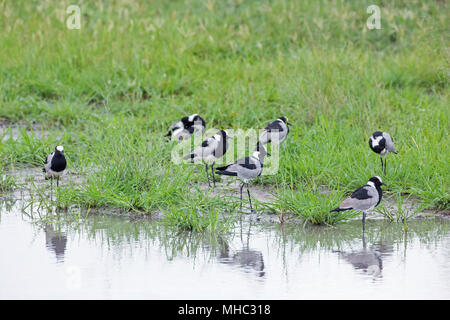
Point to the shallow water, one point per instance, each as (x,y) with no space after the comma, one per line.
(113,257)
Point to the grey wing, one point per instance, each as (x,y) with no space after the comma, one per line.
(263,138)
(389,143)
(275,131)
(48,162)
(248,168)
(364,198)
(239,165)
(207,148)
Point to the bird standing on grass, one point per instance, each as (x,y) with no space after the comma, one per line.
(275,132)
(364,198)
(210,151)
(55,165)
(184,128)
(381,143)
(246,168)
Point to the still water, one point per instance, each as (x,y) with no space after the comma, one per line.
(114,257)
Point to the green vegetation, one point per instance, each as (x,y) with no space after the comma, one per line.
(109,91)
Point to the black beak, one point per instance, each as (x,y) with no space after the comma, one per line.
(289,123)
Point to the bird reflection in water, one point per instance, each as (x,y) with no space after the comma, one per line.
(55,241)
(367,260)
(247,259)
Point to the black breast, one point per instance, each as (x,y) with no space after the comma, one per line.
(381,143)
(380,195)
(58,163)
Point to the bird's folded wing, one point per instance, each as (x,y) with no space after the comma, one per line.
(362,193)
(363,198)
(389,142)
(49,158)
(207,148)
(246,163)
(274,126)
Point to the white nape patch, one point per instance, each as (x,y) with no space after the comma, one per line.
(370,183)
(256,155)
(378,178)
(376,141)
(192,116)
(60,148)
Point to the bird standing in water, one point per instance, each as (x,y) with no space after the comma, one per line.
(246,169)
(364,198)
(55,165)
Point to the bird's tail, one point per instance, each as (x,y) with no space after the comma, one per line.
(227,173)
(339,209)
(190,156)
(223,168)
(224,171)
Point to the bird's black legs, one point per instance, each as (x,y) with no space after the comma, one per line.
(51,188)
(249,198)
(242,186)
(57,187)
(213,178)
(364,221)
(207,174)
(383,165)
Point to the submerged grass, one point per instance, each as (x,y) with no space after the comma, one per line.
(108,92)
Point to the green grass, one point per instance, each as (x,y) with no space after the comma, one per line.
(311,205)
(110,90)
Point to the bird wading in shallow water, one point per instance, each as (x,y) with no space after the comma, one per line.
(364,198)
(184,128)
(210,151)
(246,169)
(276,132)
(55,165)
(381,143)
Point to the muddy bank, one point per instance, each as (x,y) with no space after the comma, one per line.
(10,130)
(30,179)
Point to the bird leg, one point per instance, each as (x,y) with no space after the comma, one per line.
(51,188)
(57,187)
(382,165)
(249,198)
(213,178)
(207,174)
(385,165)
(364,221)
(242,186)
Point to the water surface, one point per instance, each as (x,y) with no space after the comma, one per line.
(114,257)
